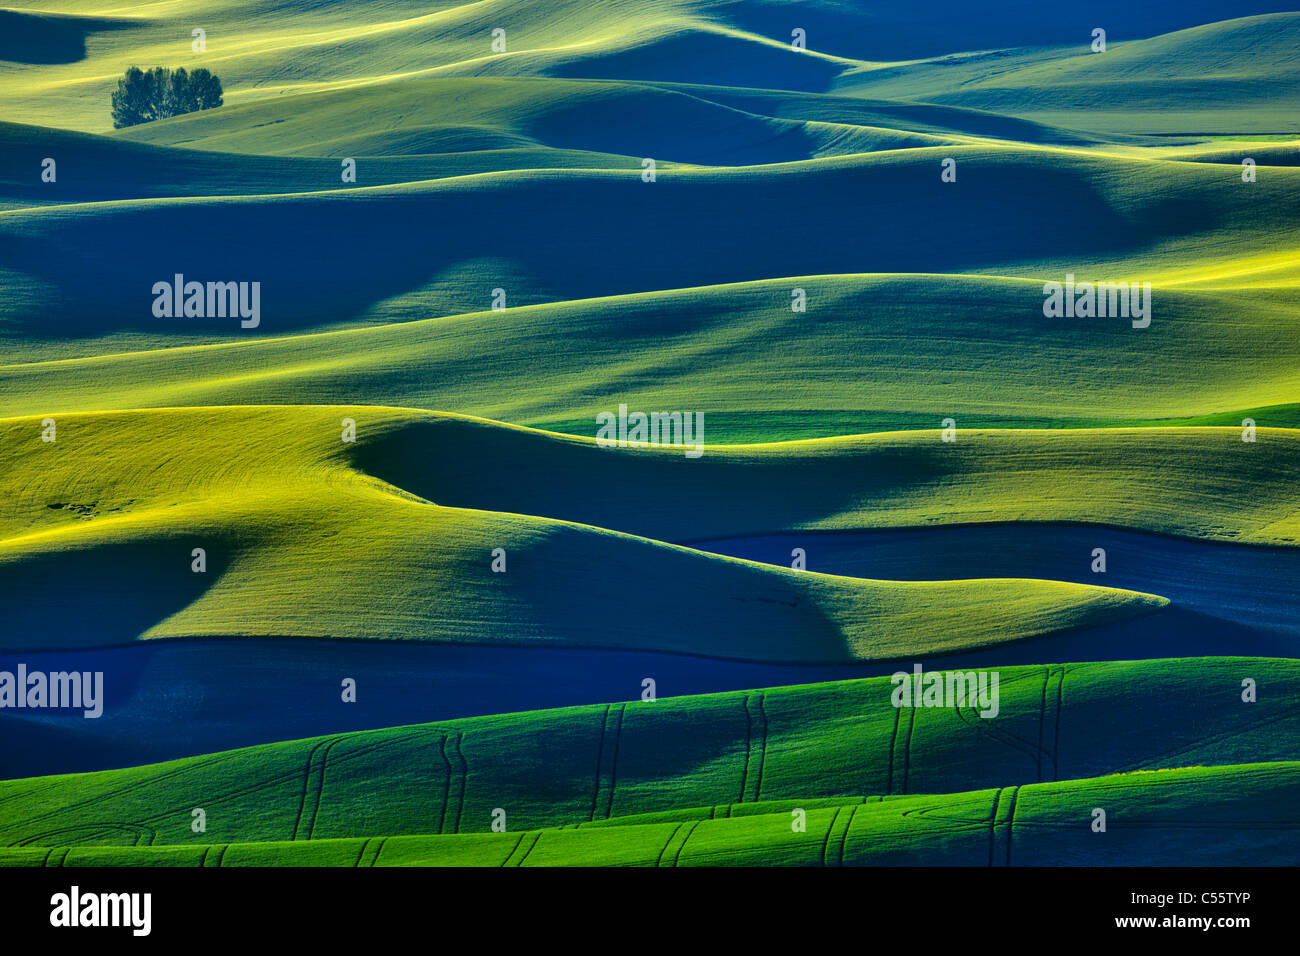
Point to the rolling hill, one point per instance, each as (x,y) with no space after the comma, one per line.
(275,559)
(726,771)
(379,459)
(1158,819)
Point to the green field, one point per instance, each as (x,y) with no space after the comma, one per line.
(935,779)
(662,206)
(1160,817)
(390,536)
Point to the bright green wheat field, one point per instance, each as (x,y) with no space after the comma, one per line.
(835,256)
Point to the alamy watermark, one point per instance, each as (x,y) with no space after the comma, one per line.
(947,689)
(55,690)
(639,430)
(179,299)
(1101,300)
(75,909)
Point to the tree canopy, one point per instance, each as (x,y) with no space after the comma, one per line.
(143,96)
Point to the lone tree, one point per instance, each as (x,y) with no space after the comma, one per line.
(144,96)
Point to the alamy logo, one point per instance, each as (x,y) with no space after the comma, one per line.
(58,689)
(639,430)
(208,300)
(947,689)
(1102,300)
(74,908)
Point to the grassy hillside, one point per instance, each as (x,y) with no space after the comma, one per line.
(1056,726)
(290,517)
(444,114)
(94,168)
(870,353)
(566,207)
(369,256)
(1155,820)
(289,524)
(1198,482)
(67,52)
(1234,76)
(1195,72)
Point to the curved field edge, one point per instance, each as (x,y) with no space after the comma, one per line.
(288,517)
(575,765)
(1197,816)
(872,352)
(282,51)
(1180,226)
(1197,482)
